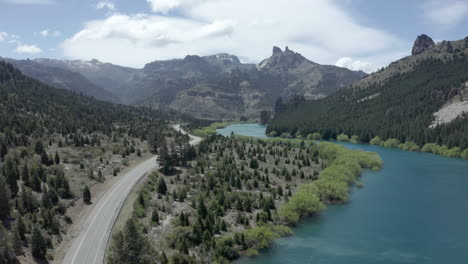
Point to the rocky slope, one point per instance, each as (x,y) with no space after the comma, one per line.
(221,87)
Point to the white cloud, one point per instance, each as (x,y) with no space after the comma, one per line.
(445,13)
(3,36)
(29,2)
(27,49)
(355,65)
(50,33)
(105,4)
(164,6)
(321,30)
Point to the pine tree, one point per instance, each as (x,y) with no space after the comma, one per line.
(100,176)
(38,244)
(25,175)
(162,187)
(39,147)
(3,151)
(45,158)
(86,195)
(4,199)
(155,216)
(11,172)
(57,158)
(17,242)
(202,211)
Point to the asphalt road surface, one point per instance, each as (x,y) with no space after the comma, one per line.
(90,246)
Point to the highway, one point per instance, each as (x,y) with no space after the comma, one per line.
(90,246)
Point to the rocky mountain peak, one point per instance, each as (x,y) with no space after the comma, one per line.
(277,50)
(423,42)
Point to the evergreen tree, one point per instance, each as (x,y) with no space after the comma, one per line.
(162,187)
(38,244)
(4,199)
(11,172)
(25,175)
(17,242)
(3,151)
(39,147)
(155,216)
(86,195)
(57,158)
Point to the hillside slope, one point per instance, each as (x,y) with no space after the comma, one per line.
(55,145)
(397,102)
(62,78)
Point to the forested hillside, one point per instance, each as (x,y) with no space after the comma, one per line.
(55,145)
(402,107)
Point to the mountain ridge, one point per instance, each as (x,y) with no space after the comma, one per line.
(217,86)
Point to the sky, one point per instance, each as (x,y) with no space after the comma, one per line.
(358,34)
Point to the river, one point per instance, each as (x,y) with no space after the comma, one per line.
(414,210)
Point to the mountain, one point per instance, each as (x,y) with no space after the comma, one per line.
(111,77)
(421,98)
(221,87)
(213,87)
(301,76)
(62,78)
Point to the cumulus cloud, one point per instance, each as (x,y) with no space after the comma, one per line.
(445,13)
(105,5)
(321,30)
(27,49)
(164,6)
(355,65)
(50,33)
(3,36)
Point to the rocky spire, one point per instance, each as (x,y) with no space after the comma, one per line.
(276,50)
(422,43)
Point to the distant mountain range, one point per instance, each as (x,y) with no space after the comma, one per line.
(210,87)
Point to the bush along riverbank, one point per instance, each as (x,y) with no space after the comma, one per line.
(235,198)
(442,150)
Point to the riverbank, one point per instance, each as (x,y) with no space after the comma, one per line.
(255,190)
(455,152)
(400,216)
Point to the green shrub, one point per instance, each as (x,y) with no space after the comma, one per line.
(453,152)
(465,154)
(391,143)
(354,139)
(314,136)
(376,141)
(252,253)
(304,202)
(409,145)
(342,138)
(261,237)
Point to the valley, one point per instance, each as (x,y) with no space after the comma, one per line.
(174,132)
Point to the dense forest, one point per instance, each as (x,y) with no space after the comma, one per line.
(402,108)
(53,145)
(233,198)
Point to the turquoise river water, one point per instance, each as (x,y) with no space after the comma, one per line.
(414,210)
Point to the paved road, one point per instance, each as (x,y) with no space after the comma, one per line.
(90,246)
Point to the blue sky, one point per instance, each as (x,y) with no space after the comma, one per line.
(358,34)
